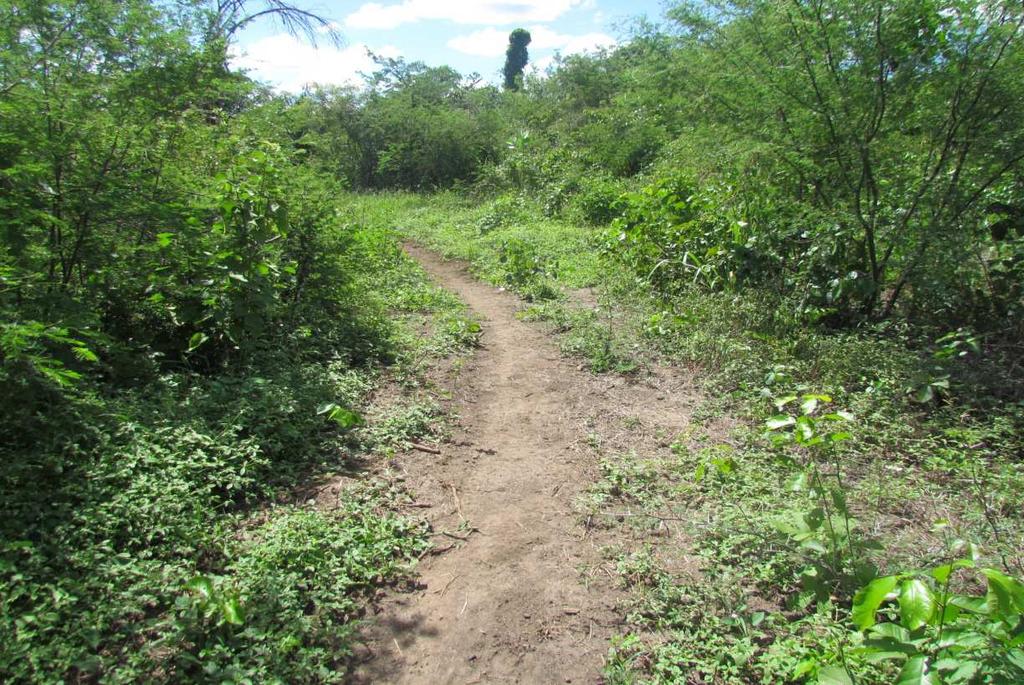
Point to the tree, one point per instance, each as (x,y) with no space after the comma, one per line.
(895,124)
(228,17)
(516,58)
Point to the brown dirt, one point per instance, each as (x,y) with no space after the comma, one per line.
(522,598)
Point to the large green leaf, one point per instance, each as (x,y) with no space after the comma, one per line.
(917,604)
(780,421)
(233,611)
(869,598)
(345,418)
(201,585)
(915,672)
(196,340)
(1005,595)
(833,675)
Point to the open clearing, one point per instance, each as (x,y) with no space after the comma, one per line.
(522,598)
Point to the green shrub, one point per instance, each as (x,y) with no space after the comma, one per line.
(597,201)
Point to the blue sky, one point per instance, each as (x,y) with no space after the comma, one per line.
(469,35)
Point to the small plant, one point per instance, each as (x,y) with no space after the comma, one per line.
(664,324)
(825,532)
(209,608)
(526,270)
(505,211)
(934,385)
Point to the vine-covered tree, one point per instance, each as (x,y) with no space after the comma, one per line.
(516,58)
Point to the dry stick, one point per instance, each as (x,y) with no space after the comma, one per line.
(457,537)
(424,448)
(435,550)
(586,527)
(448,584)
(458,502)
(630,515)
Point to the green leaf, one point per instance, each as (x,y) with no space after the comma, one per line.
(85,354)
(924,394)
(196,340)
(725,465)
(942,573)
(975,605)
(833,675)
(201,585)
(780,421)
(915,672)
(699,472)
(809,405)
(891,631)
(1005,595)
(869,598)
(804,429)
(916,604)
(962,671)
(233,611)
(345,418)
(781,402)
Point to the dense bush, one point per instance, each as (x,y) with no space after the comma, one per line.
(180,299)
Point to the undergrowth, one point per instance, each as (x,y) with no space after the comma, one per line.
(159,533)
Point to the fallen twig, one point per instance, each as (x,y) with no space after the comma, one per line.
(424,448)
(435,550)
(458,502)
(619,514)
(460,537)
(448,585)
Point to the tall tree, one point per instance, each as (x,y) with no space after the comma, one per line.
(516,58)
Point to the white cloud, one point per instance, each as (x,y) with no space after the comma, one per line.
(491,42)
(290,64)
(375,15)
(484,43)
(540,67)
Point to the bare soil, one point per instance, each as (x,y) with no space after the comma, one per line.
(523,593)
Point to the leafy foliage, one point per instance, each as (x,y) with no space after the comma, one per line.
(516,57)
(942,635)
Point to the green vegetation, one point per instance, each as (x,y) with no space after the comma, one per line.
(817,205)
(192,327)
(516,58)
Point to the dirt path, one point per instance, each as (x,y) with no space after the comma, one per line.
(521,600)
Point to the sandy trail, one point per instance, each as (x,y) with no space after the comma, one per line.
(519,601)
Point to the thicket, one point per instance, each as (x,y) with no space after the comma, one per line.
(188,326)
